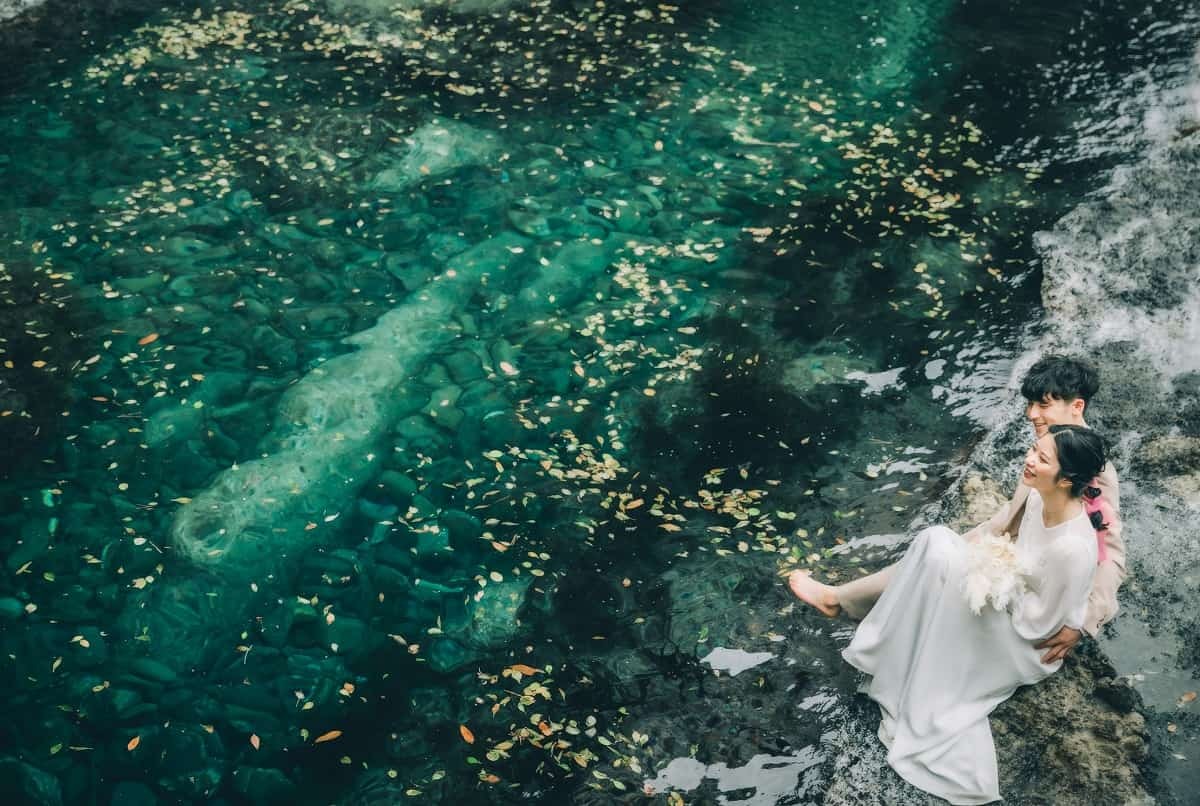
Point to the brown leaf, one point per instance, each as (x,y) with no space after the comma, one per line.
(523,669)
(468,737)
(1187,697)
(545,728)
(149,338)
(133,743)
(328,737)
(254,741)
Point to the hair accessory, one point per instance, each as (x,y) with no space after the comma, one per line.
(1101,514)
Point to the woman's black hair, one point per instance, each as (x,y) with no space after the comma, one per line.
(1060,377)
(1081,455)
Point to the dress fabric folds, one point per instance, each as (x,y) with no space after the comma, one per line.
(937,670)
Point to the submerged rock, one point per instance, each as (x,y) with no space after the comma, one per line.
(24,783)
(434,149)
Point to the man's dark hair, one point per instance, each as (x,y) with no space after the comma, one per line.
(1060,377)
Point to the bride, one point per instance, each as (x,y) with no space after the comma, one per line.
(937,669)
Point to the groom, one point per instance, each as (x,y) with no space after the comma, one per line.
(1057,390)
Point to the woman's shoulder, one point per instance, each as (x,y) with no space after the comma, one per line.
(1079,538)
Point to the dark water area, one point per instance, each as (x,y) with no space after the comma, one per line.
(419,401)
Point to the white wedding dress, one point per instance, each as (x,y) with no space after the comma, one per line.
(937,670)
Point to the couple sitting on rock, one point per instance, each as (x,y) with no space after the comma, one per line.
(936,665)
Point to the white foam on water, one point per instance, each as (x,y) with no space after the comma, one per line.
(735,661)
(11,9)
(770,777)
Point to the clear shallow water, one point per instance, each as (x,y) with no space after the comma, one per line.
(514,353)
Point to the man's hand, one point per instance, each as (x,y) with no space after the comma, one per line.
(1059,644)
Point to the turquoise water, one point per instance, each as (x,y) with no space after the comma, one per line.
(404,400)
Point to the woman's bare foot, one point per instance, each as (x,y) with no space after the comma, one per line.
(817,594)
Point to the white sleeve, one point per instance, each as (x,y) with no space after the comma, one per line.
(1062,600)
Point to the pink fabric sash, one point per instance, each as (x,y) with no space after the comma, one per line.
(1098,504)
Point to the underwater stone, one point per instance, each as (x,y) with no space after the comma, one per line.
(132,793)
(350,635)
(447,655)
(124,701)
(462,527)
(10,608)
(493,618)
(398,486)
(24,783)
(436,148)
(529,223)
(464,366)
(94,654)
(150,669)
(176,424)
(433,542)
(408,270)
(184,766)
(260,785)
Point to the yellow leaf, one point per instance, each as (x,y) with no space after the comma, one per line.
(133,743)
(327,737)
(468,737)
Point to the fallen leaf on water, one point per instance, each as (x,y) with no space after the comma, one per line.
(1187,697)
(133,743)
(468,737)
(149,338)
(328,737)
(523,669)
(254,740)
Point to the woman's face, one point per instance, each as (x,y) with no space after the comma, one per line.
(1041,465)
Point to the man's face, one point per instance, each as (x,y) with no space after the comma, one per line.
(1053,411)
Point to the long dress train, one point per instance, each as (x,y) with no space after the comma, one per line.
(937,670)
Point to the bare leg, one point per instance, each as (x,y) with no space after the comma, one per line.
(819,595)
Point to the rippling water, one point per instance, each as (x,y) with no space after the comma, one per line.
(423,400)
